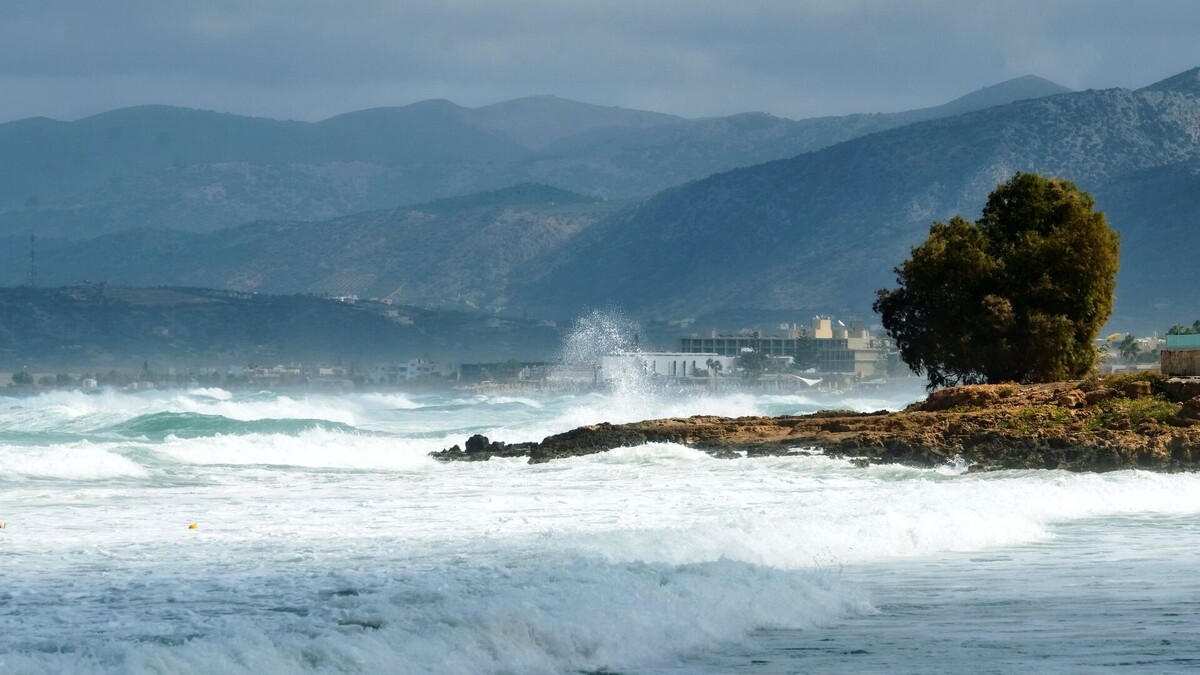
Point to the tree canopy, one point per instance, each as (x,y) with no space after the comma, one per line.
(1180,329)
(1017,296)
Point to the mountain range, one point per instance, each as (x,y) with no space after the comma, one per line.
(822,230)
(99,326)
(457,251)
(817,231)
(175,168)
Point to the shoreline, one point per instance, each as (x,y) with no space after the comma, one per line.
(1105,423)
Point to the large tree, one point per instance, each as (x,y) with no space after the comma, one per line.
(1017,296)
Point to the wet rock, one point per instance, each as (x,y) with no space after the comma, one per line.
(477,444)
(480,449)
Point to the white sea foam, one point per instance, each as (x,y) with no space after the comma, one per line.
(381,400)
(316,448)
(801,512)
(506,400)
(333,550)
(211,392)
(275,407)
(72,461)
(577,615)
(74,411)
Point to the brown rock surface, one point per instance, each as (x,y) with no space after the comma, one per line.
(1049,426)
(1072,399)
(1138,389)
(1188,415)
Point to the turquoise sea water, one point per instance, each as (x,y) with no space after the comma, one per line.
(328,541)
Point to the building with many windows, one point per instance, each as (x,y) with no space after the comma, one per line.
(828,346)
(399,372)
(661,364)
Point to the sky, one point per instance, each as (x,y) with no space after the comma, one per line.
(309,59)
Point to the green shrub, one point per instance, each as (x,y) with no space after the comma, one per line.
(1121,380)
(1124,413)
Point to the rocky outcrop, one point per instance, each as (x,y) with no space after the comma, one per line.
(1181,388)
(1096,425)
(1188,415)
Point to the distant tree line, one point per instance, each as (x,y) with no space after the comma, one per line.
(1180,329)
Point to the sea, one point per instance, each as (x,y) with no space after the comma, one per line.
(211,531)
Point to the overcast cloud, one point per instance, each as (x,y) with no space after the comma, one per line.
(306,59)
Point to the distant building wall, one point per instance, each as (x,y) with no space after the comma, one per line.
(822,328)
(733,345)
(1183,342)
(854,355)
(662,364)
(1180,362)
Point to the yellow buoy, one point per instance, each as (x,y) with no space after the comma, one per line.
(193,526)
(3,524)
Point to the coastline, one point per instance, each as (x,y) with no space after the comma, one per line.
(1105,423)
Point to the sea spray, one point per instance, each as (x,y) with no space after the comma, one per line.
(598,333)
(629,392)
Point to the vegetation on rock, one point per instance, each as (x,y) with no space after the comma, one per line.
(1018,296)
(1104,423)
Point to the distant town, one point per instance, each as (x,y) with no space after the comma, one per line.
(826,354)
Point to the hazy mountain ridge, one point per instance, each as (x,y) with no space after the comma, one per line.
(1187,82)
(626,163)
(103,325)
(465,250)
(536,121)
(824,229)
(816,232)
(164,167)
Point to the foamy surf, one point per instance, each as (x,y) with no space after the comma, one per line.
(511,617)
(78,461)
(326,546)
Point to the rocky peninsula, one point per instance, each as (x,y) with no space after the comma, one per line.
(1139,421)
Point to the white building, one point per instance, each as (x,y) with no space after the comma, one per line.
(394,373)
(661,364)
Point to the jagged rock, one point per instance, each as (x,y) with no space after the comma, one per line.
(1181,389)
(1188,415)
(970,396)
(1191,408)
(1018,427)
(480,449)
(1074,398)
(1184,450)
(477,444)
